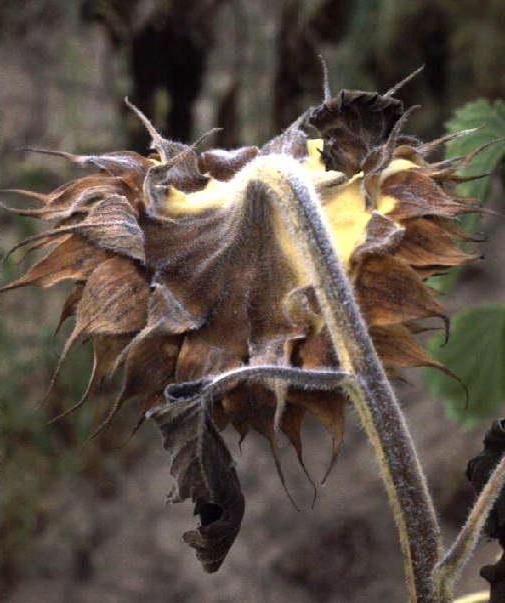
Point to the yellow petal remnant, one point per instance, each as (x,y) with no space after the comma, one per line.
(348,218)
(314,161)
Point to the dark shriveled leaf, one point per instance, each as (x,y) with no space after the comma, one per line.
(352,124)
(242,385)
(203,471)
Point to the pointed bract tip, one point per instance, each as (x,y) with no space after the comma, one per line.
(157,141)
(392,91)
(326,78)
(54,153)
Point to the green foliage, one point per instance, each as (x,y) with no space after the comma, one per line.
(489,118)
(476,353)
(476,350)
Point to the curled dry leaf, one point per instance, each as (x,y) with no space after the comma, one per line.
(200,462)
(203,471)
(479,471)
(182,268)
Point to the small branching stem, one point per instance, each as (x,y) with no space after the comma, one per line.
(214,386)
(450,567)
(285,187)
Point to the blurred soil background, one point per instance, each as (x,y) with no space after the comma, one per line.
(86,522)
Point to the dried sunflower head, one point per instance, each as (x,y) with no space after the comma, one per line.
(182,271)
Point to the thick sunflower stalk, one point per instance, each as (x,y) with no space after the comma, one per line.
(254,286)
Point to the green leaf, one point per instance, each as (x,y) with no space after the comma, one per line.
(476,354)
(490,119)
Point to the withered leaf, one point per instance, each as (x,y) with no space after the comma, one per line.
(203,471)
(112,224)
(106,350)
(248,400)
(151,355)
(427,244)
(72,198)
(383,236)
(70,306)
(150,364)
(115,163)
(181,170)
(389,292)
(198,358)
(352,124)
(398,348)
(418,195)
(222,165)
(293,141)
(166,314)
(114,300)
(75,259)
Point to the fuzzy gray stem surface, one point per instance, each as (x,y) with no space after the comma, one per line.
(372,394)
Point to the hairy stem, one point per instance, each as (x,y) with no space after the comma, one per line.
(449,568)
(282,184)
(213,386)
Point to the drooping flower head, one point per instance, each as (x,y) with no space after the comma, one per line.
(182,271)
